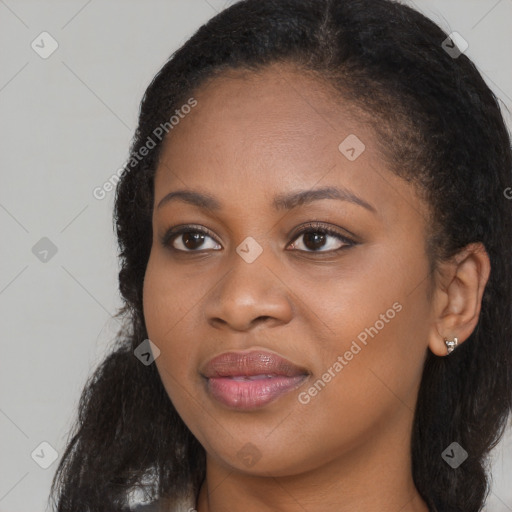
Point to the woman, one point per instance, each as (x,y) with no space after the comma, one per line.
(316,250)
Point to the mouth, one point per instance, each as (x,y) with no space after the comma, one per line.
(249,380)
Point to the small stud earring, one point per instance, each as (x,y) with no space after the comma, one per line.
(451,344)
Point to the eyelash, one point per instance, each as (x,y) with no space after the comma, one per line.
(310,227)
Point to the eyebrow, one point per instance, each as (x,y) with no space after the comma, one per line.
(286,201)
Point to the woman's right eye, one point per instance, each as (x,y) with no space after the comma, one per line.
(186,239)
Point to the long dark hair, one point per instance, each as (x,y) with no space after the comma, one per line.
(439,126)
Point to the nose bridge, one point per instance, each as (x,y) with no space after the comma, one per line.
(250,289)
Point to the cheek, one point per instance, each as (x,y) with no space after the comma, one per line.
(164,310)
(167,298)
(375,380)
(170,304)
(379,326)
(155,296)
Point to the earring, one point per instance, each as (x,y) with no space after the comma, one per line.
(451,344)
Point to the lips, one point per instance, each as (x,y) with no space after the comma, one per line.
(250,364)
(246,380)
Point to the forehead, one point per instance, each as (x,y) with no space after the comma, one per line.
(270,100)
(275,130)
(278,115)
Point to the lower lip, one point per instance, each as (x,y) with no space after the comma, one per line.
(251,394)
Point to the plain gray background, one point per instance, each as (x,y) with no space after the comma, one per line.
(67,121)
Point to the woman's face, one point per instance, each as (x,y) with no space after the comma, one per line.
(349,309)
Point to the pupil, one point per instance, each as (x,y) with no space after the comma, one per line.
(316,236)
(194,236)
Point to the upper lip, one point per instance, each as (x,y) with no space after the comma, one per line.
(246,364)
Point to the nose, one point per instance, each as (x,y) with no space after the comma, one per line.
(249,294)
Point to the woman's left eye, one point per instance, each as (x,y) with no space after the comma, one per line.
(314,236)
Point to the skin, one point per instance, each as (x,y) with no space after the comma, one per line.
(251,137)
